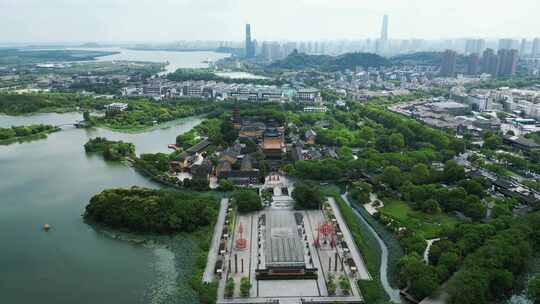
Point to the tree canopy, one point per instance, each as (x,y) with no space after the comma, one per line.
(150,210)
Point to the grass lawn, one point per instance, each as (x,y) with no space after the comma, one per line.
(426,225)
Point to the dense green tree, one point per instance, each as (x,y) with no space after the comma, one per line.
(111,150)
(307,195)
(492,141)
(391,176)
(453,172)
(150,210)
(197,184)
(246,200)
(469,287)
(396,142)
(430,206)
(420,174)
(533,290)
(230,134)
(225,185)
(360,191)
(421,279)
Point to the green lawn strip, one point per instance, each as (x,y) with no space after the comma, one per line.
(426,225)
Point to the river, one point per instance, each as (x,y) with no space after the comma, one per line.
(51,181)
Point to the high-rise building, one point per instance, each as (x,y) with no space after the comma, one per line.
(473,64)
(508,60)
(536,47)
(448,66)
(384,32)
(523,47)
(490,62)
(506,44)
(381,45)
(250,47)
(475,46)
(265,51)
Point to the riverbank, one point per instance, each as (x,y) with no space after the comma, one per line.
(28,138)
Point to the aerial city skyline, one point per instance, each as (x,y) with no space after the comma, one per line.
(495,56)
(269,151)
(276,20)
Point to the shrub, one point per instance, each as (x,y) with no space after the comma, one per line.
(245,286)
(229,288)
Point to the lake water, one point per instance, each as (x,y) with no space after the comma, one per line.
(240,75)
(176,59)
(51,181)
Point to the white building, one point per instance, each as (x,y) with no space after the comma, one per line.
(117,107)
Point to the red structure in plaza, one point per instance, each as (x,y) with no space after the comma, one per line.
(241,242)
(325,231)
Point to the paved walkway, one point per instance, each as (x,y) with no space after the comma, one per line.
(213,253)
(392,293)
(428,247)
(363,273)
(311,227)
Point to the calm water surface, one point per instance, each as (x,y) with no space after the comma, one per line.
(51,181)
(176,59)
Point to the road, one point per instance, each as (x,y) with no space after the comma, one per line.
(392,293)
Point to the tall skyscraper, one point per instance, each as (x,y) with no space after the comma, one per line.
(536,47)
(475,46)
(250,48)
(523,47)
(384,32)
(506,44)
(490,62)
(473,64)
(470,46)
(448,66)
(381,45)
(507,62)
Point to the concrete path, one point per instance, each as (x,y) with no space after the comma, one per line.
(213,253)
(392,293)
(426,252)
(363,273)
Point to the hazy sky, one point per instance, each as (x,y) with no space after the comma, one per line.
(173,20)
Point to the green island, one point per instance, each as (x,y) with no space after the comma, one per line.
(111,150)
(184,216)
(25,133)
